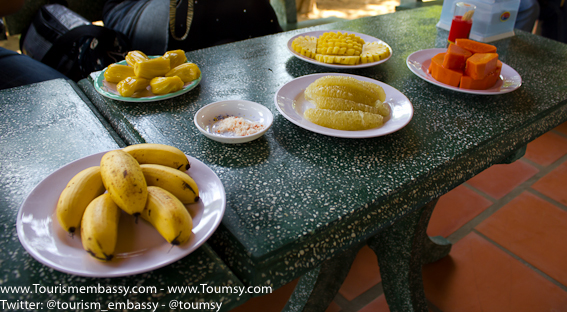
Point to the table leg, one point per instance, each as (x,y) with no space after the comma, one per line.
(402,249)
(316,290)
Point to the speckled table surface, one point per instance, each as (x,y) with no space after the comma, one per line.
(44,127)
(296,198)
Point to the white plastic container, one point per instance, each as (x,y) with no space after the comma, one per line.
(493,19)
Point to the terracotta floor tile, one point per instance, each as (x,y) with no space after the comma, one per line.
(274,302)
(562,128)
(455,209)
(363,274)
(534,230)
(499,180)
(546,149)
(478,276)
(333,307)
(377,305)
(554,184)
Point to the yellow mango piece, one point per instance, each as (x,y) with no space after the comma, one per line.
(186,71)
(135,56)
(176,57)
(165,85)
(115,73)
(131,85)
(152,68)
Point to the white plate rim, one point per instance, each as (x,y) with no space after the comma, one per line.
(419,61)
(317,33)
(401,109)
(99,87)
(87,266)
(234,140)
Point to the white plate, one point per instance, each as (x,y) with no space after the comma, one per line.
(206,118)
(418,62)
(291,103)
(108,89)
(318,33)
(140,248)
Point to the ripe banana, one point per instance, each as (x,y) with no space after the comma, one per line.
(99,227)
(124,181)
(161,154)
(177,182)
(168,215)
(74,199)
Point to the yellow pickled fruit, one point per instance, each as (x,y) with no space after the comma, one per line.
(383,108)
(165,85)
(116,73)
(350,84)
(339,104)
(176,57)
(131,85)
(344,120)
(134,57)
(186,71)
(151,68)
(342,92)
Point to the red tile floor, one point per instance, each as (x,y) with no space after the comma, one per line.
(508,226)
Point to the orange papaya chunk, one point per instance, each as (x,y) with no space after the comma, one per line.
(442,74)
(456,57)
(475,46)
(481,64)
(482,84)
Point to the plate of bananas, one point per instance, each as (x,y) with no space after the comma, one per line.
(142,78)
(87,220)
(344,105)
(339,49)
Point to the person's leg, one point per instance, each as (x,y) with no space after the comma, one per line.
(18,70)
(144,22)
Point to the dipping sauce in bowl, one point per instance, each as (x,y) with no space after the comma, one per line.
(233,121)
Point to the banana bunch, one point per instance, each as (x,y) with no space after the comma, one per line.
(340,48)
(144,180)
(165,74)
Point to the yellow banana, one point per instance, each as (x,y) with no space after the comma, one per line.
(74,199)
(124,181)
(168,215)
(161,154)
(99,227)
(177,182)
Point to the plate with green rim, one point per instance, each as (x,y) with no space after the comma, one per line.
(108,89)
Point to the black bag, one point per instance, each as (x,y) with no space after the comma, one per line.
(69,43)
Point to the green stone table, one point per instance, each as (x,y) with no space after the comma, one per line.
(43,127)
(301,203)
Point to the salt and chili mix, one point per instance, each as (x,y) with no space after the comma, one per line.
(236,126)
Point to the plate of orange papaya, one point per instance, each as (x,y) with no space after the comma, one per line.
(466,66)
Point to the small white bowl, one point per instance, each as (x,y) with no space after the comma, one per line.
(208,115)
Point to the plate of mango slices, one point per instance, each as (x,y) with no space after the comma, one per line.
(339,49)
(142,78)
